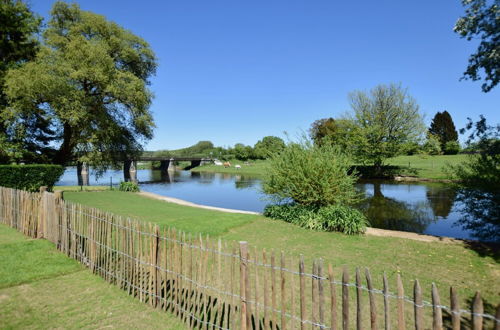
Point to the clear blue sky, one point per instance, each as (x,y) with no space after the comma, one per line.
(235,71)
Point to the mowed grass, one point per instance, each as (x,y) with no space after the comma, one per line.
(188,219)
(430,167)
(41,288)
(80,188)
(446,264)
(254,168)
(427,167)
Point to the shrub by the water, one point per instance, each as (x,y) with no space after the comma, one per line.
(451,148)
(129,186)
(339,218)
(312,175)
(30,177)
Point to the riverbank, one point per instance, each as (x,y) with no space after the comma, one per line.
(412,168)
(459,264)
(369,230)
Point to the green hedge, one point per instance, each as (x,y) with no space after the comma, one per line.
(339,218)
(30,177)
(129,186)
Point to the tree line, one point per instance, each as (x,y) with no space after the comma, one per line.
(263,149)
(77,89)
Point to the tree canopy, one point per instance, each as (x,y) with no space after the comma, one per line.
(385,120)
(482,21)
(19,27)
(443,128)
(321,129)
(268,146)
(87,85)
(481,170)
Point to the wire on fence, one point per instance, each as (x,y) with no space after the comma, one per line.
(67,207)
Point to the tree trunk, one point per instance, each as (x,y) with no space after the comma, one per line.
(65,152)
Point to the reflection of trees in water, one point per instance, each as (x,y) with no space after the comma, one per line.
(243,182)
(480,213)
(388,213)
(204,177)
(441,200)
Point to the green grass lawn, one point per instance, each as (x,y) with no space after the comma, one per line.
(254,167)
(80,188)
(447,265)
(428,167)
(41,288)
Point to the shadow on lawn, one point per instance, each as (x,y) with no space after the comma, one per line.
(466,319)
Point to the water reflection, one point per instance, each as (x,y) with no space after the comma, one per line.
(480,213)
(441,199)
(391,213)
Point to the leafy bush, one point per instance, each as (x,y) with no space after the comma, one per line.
(129,186)
(482,169)
(327,218)
(312,175)
(432,146)
(451,148)
(30,177)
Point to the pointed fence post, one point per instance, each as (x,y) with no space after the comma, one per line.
(437,316)
(417,296)
(455,314)
(345,300)
(477,311)
(243,280)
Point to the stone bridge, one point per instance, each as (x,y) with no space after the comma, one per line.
(130,166)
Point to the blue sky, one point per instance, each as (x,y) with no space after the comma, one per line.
(235,71)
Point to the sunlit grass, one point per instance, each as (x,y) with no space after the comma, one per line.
(446,264)
(40,287)
(425,166)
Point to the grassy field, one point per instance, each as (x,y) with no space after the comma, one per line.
(428,167)
(254,167)
(41,288)
(458,265)
(80,188)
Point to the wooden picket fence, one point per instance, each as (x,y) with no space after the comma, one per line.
(222,285)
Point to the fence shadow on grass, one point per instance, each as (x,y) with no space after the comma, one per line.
(223,285)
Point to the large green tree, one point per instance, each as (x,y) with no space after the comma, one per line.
(482,21)
(268,146)
(19,28)
(89,81)
(322,130)
(443,128)
(385,121)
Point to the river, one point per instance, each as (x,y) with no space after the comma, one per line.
(426,208)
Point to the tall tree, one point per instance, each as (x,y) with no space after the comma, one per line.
(19,28)
(386,120)
(89,81)
(482,21)
(268,146)
(443,128)
(321,129)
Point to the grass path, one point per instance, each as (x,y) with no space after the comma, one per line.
(41,288)
(450,264)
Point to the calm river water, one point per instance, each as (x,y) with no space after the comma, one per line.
(426,208)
